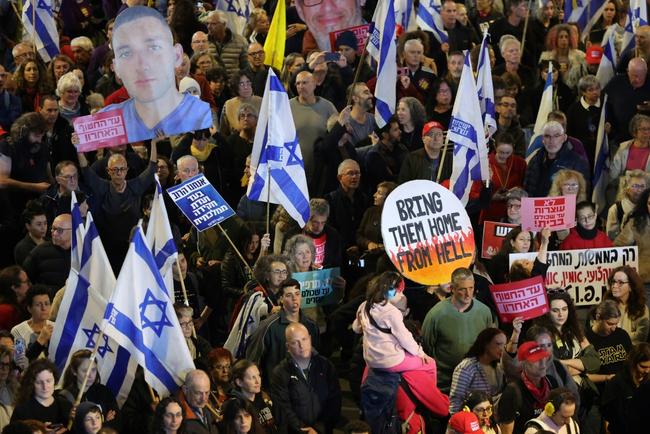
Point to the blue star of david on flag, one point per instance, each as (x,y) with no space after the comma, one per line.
(90,334)
(156,326)
(293,158)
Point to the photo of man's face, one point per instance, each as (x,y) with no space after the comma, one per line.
(145,58)
(325,16)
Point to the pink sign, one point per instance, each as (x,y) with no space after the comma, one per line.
(525,298)
(101,130)
(361,32)
(554,213)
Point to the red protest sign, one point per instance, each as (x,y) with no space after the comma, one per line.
(361,32)
(525,298)
(101,130)
(493,235)
(554,213)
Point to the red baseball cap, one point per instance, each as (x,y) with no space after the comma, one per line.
(431,125)
(465,422)
(594,54)
(531,352)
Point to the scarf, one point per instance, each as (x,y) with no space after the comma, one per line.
(539,394)
(587,234)
(202,155)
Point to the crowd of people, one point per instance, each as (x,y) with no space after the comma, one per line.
(433,358)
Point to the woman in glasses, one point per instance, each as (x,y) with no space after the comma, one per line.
(586,235)
(480,403)
(625,287)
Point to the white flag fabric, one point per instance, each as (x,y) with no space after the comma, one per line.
(237,13)
(637,15)
(467,132)
(383,48)
(140,317)
(82,307)
(601,163)
(40,25)
(607,67)
(485,88)
(545,107)
(160,238)
(78,231)
(583,12)
(276,152)
(429,19)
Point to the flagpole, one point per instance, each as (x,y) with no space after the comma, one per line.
(523,38)
(268,197)
(34,26)
(357,73)
(85,381)
(442,159)
(235,248)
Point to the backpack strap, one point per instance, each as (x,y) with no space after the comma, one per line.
(619,213)
(377,326)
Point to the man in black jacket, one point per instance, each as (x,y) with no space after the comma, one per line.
(304,387)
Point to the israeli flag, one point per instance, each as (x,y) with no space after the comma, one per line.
(403,13)
(140,317)
(545,107)
(78,231)
(467,132)
(78,321)
(429,19)
(601,163)
(583,12)
(277,168)
(637,15)
(237,13)
(40,25)
(160,238)
(485,88)
(607,67)
(383,48)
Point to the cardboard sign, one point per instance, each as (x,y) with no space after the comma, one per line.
(525,298)
(101,130)
(426,231)
(200,202)
(316,287)
(554,213)
(493,235)
(361,32)
(583,273)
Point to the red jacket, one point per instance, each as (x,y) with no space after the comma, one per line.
(575,242)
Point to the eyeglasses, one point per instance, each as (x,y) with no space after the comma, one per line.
(352,173)
(118,169)
(514,206)
(619,282)
(586,218)
(311,3)
(571,185)
(185,324)
(281,272)
(245,83)
(486,410)
(60,230)
(553,136)
(256,54)
(638,186)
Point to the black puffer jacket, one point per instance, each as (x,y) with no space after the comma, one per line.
(49,265)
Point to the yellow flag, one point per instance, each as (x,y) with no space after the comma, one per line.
(276,38)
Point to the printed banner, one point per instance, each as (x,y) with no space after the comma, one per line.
(361,32)
(101,130)
(200,202)
(583,273)
(525,298)
(427,232)
(493,235)
(554,213)
(316,287)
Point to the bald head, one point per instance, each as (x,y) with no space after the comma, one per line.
(637,71)
(200,42)
(62,231)
(197,388)
(306,86)
(188,167)
(642,39)
(298,341)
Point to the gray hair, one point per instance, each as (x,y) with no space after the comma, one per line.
(247,107)
(186,159)
(414,42)
(459,274)
(83,42)
(292,245)
(67,81)
(217,13)
(553,125)
(586,82)
(636,120)
(507,40)
(345,163)
(626,180)
(319,207)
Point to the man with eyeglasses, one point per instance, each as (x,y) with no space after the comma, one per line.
(49,262)
(634,184)
(325,16)
(257,69)
(557,154)
(508,122)
(424,163)
(118,201)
